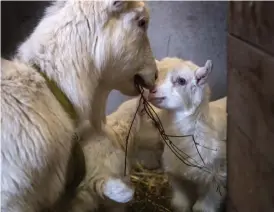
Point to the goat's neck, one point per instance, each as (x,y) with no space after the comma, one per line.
(83,88)
(98,107)
(185,122)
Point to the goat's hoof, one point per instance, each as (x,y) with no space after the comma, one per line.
(118,191)
(202,207)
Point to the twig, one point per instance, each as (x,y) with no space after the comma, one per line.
(181,155)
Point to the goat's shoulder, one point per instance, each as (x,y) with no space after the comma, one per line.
(30,113)
(33,124)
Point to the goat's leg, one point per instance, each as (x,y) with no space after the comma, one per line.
(210,199)
(180,201)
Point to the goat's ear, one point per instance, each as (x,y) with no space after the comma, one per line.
(202,73)
(118,6)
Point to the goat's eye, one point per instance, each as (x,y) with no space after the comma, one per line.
(142,23)
(181,81)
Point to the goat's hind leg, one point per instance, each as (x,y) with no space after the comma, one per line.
(180,201)
(210,199)
(183,194)
(90,195)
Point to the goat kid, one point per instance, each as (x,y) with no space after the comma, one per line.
(105,183)
(182,94)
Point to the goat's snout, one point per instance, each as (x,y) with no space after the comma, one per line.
(153,89)
(139,80)
(146,80)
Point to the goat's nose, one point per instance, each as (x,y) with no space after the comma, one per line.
(153,90)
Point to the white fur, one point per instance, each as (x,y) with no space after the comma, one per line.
(147,145)
(118,191)
(186,111)
(88,48)
(105,160)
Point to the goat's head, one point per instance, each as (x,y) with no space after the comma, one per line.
(181,85)
(107,36)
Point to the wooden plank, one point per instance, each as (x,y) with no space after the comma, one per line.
(250,128)
(253,22)
(251,94)
(251,184)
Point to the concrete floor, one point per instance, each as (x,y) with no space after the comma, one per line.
(189,30)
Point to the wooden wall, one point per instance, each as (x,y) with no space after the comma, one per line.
(251,107)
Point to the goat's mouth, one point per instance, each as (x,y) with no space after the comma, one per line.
(139,80)
(156,100)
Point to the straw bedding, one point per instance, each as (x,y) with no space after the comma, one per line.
(152,191)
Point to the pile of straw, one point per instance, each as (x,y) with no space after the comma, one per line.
(152,191)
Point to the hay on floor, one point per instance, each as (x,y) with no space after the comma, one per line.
(152,191)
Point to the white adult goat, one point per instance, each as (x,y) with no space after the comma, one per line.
(83,50)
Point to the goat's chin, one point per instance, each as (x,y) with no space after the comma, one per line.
(129,89)
(159,105)
(132,92)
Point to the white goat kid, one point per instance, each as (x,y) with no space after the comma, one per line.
(182,93)
(83,49)
(105,161)
(147,146)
